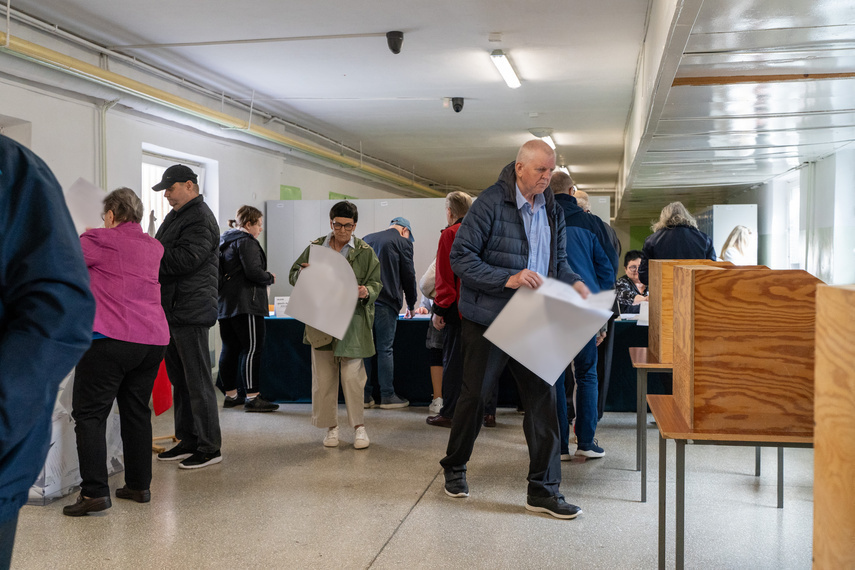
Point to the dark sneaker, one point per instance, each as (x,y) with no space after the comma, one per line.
(259,404)
(368,402)
(84,506)
(554,505)
(175,454)
(591,450)
(230,402)
(199,460)
(455,484)
(393,401)
(143,496)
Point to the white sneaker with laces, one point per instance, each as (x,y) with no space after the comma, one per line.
(360,438)
(331,439)
(435,406)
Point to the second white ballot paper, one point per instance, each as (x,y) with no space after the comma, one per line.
(326,292)
(543,329)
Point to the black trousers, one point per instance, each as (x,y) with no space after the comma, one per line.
(452,365)
(540,424)
(604,367)
(240,359)
(7,541)
(125,372)
(188,363)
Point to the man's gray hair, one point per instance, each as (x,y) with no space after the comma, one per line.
(561,183)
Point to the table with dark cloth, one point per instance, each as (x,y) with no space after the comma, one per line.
(286,367)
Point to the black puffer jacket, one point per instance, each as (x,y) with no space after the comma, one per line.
(243,276)
(189,268)
(678,242)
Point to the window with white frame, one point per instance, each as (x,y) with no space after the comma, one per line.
(155,206)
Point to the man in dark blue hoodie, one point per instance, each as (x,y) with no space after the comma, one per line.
(586,256)
(46,313)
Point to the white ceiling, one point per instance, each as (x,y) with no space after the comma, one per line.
(577,59)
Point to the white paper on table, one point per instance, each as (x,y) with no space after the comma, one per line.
(85,202)
(545,328)
(326,292)
(643,315)
(280,306)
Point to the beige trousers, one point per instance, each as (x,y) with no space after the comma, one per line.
(325,375)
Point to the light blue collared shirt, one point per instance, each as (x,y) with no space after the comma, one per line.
(537,231)
(347,247)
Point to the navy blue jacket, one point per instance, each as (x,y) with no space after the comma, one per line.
(46,314)
(585,253)
(592,223)
(395,253)
(678,242)
(491,246)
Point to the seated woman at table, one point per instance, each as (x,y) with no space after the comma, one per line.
(242,306)
(631,292)
(332,357)
(130,335)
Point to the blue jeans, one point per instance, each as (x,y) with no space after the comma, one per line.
(585,365)
(385,323)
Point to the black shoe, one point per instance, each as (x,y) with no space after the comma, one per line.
(554,505)
(259,404)
(489,420)
(200,459)
(438,420)
(455,484)
(143,496)
(176,453)
(230,402)
(84,506)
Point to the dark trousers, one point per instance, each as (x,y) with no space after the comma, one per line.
(540,424)
(125,372)
(188,364)
(452,366)
(604,367)
(240,359)
(7,541)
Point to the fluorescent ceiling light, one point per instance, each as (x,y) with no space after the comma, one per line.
(545,135)
(563,169)
(548,140)
(503,64)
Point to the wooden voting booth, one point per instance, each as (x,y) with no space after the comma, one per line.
(834,450)
(743,346)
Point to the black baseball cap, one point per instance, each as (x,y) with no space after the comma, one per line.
(173,174)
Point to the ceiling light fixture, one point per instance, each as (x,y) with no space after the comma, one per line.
(503,64)
(564,170)
(545,135)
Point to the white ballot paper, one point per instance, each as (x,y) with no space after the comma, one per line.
(85,202)
(643,315)
(326,292)
(543,329)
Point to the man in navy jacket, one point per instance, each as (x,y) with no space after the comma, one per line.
(512,236)
(46,314)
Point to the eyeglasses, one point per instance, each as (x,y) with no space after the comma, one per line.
(338,226)
(632,267)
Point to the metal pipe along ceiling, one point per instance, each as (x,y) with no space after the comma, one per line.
(94,74)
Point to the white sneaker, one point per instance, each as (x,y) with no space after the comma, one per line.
(435,406)
(360,438)
(331,439)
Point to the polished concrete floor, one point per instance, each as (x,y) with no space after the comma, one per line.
(280,499)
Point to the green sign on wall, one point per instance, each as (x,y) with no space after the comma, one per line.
(290,193)
(337,196)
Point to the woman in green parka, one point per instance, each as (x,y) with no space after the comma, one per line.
(330,356)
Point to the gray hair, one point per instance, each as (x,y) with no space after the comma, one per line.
(458,203)
(674,214)
(561,183)
(125,205)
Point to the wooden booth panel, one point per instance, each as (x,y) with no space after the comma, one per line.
(834,438)
(747,363)
(661,280)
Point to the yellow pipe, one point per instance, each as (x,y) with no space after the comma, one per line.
(63,62)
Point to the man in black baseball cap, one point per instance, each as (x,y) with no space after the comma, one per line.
(173,174)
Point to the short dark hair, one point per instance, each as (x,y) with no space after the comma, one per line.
(125,205)
(632,255)
(344,209)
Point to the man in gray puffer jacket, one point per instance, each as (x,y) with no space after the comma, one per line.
(512,237)
(189,274)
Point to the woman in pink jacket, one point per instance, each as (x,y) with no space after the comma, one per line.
(130,335)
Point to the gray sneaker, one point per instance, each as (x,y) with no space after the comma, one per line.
(368,402)
(393,401)
(455,484)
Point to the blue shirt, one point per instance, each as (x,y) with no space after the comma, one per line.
(537,231)
(347,247)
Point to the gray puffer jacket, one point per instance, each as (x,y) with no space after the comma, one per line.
(190,268)
(491,246)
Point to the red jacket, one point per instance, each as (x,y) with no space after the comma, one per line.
(447,283)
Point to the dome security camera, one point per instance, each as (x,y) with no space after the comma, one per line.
(457,104)
(395,40)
